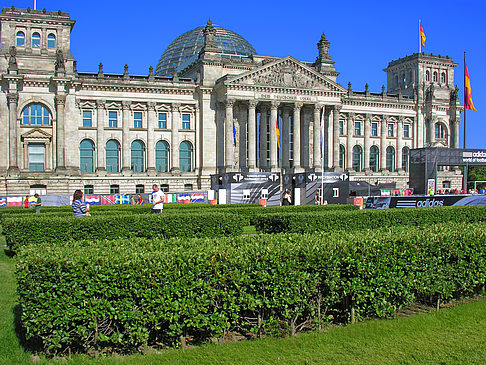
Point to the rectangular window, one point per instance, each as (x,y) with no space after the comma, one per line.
(114,189)
(36,157)
(406,131)
(88,190)
(335,192)
(188,187)
(390,130)
(113,119)
(163,120)
(137,120)
(164,188)
(139,189)
(357,128)
(374,129)
(341,127)
(87,118)
(186,121)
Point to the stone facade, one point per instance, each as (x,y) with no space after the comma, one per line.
(64,130)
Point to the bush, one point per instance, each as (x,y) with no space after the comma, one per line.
(123,294)
(37,229)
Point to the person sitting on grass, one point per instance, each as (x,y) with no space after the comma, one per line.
(80,208)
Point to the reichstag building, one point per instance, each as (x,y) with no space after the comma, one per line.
(212,105)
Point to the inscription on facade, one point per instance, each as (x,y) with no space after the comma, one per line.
(280,97)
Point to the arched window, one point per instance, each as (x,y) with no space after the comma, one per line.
(112,156)
(374,158)
(162,156)
(435,76)
(86,153)
(51,41)
(36,40)
(405,157)
(342,153)
(443,78)
(440,131)
(20,39)
(357,158)
(390,158)
(36,114)
(185,156)
(137,156)
(427,75)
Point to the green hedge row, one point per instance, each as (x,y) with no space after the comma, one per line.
(20,232)
(355,220)
(122,294)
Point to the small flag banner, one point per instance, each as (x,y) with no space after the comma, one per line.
(277,131)
(234,133)
(182,198)
(107,199)
(165,199)
(173,198)
(14,201)
(3,202)
(32,199)
(468,103)
(92,199)
(122,199)
(197,198)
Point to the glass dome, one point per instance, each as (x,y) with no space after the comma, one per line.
(185,49)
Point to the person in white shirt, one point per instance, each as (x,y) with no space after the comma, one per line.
(157,200)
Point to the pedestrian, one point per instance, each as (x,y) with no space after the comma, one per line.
(157,200)
(316,198)
(26,201)
(287,199)
(80,208)
(37,203)
(139,199)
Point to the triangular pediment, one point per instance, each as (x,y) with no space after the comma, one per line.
(36,133)
(286,73)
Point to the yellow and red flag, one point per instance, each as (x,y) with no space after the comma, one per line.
(468,103)
(422,35)
(278,135)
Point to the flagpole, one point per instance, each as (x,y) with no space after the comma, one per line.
(420,39)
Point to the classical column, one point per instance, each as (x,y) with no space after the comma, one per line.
(273,135)
(399,145)
(176,123)
(296,126)
(455,131)
(242,128)
(126,136)
(228,136)
(263,137)
(12,124)
(151,117)
(431,130)
(383,130)
(285,138)
(335,138)
(60,136)
(317,137)
(367,142)
(198,148)
(349,141)
(252,135)
(100,137)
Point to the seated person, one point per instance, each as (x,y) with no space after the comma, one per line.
(80,208)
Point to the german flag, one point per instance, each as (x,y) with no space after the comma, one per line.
(468,103)
(422,35)
(278,134)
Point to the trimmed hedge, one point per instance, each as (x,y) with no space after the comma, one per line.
(24,231)
(357,220)
(123,294)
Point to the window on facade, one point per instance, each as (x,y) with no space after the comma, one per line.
(341,127)
(390,158)
(188,187)
(113,119)
(86,153)
(357,158)
(374,158)
(427,75)
(435,76)
(114,189)
(137,120)
(163,120)
(396,80)
(51,41)
(20,39)
(164,188)
(443,78)
(112,156)
(36,114)
(391,131)
(342,154)
(440,131)
(406,130)
(410,77)
(88,190)
(36,157)
(374,129)
(186,121)
(405,157)
(185,156)
(139,189)
(36,40)
(162,156)
(446,184)
(87,118)
(137,156)
(357,128)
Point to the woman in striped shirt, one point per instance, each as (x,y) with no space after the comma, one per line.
(80,208)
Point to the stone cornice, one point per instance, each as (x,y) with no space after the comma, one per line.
(378,104)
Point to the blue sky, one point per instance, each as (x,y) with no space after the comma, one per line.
(365,35)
